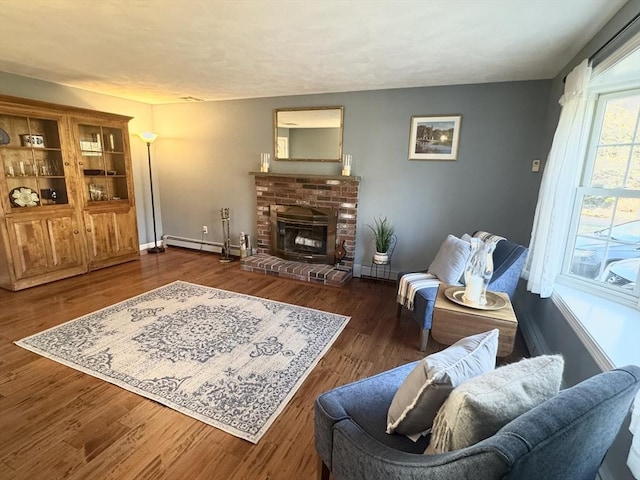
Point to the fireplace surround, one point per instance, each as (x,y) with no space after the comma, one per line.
(331,192)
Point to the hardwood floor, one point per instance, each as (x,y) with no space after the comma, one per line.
(56,422)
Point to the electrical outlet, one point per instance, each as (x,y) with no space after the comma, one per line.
(205,229)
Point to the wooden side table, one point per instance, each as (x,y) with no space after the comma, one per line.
(451,322)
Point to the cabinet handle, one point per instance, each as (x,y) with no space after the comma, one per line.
(80,163)
(75,232)
(88,230)
(66,164)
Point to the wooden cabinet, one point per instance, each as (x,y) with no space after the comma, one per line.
(46,245)
(111,236)
(66,192)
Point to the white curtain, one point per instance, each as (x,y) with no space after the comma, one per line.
(555,200)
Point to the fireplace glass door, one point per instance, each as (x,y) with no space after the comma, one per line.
(303,234)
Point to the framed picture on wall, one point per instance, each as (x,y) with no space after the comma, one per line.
(434,137)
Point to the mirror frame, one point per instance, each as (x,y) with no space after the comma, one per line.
(306,109)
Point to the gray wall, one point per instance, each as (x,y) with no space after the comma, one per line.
(204,156)
(542,323)
(205,152)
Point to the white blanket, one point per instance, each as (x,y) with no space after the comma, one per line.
(411,283)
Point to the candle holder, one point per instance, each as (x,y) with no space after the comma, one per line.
(346,165)
(265,159)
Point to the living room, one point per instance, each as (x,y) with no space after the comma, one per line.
(205,152)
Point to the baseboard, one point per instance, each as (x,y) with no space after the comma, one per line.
(604,473)
(145,246)
(193,244)
(531,333)
(357,269)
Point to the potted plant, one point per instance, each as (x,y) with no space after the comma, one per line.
(384,233)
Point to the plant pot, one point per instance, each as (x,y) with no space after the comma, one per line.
(381,258)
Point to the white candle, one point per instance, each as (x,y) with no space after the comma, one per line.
(264,162)
(473,290)
(22,169)
(346,165)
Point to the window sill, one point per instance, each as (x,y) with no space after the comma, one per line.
(610,331)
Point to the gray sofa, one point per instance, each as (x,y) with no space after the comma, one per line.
(566,437)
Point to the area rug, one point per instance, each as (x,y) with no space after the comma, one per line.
(232,361)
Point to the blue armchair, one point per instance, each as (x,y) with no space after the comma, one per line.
(508,261)
(565,437)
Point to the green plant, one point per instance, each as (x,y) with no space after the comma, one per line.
(383,232)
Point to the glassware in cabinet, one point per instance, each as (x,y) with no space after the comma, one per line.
(32,162)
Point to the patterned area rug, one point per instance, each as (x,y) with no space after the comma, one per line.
(230,360)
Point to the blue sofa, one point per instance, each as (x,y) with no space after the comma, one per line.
(564,438)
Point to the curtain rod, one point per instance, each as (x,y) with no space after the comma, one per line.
(628,26)
(620,32)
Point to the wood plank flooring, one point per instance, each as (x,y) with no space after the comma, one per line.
(56,422)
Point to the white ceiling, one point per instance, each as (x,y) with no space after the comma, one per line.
(157,51)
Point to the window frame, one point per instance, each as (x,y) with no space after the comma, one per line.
(593,120)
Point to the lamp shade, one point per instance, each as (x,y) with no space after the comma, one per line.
(147,136)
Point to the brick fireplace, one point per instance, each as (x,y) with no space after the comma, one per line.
(315,191)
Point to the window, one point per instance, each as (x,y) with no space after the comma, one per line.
(603,253)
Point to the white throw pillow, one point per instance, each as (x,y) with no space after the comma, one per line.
(427,386)
(466,237)
(480,407)
(451,260)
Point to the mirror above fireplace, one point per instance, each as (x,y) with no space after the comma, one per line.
(311,134)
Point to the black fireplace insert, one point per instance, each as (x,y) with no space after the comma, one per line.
(303,234)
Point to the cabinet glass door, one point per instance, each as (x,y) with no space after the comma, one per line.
(103,163)
(32,162)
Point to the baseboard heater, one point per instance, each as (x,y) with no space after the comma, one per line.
(195,244)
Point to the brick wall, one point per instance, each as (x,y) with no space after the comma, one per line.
(313,191)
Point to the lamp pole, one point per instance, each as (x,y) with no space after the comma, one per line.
(148,137)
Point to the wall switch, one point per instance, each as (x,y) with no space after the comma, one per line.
(535,166)
(205,229)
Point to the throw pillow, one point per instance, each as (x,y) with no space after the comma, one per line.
(451,259)
(480,407)
(427,386)
(466,237)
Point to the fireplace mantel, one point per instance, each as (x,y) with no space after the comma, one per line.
(307,176)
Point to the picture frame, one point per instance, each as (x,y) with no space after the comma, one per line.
(434,137)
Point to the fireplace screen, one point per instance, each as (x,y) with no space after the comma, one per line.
(304,234)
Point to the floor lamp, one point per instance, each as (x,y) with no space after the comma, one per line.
(148,138)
